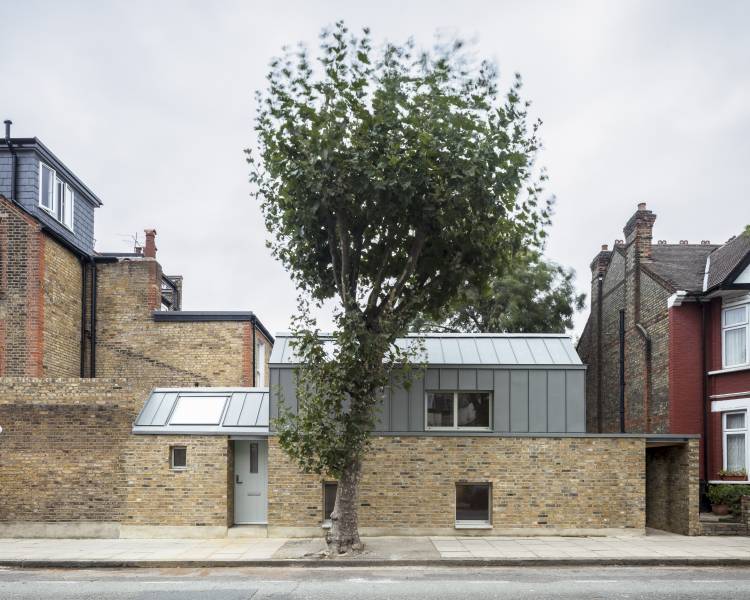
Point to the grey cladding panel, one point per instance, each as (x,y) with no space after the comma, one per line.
(382,412)
(556,414)
(538,401)
(484,379)
(519,401)
(287,383)
(501,399)
(448,379)
(467,379)
(416,405)
(432,379)
(399,409)
(575,401)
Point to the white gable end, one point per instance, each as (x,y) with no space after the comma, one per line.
(743,277)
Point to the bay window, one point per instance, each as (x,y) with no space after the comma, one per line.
(735,441)
(458,410)
(56,196)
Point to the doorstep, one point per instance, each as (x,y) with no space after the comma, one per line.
(248,531)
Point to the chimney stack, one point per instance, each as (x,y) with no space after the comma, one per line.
(601,262)
(639,231)
(149,249)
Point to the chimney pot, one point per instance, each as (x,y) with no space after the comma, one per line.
(641,206)
(604,247)
(8,123)
(662,242)
(706,242)
(683,242)
(619,242)
(149,249)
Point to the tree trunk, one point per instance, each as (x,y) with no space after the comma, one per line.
(343,536)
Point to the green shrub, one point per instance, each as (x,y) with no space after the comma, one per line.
(730,495)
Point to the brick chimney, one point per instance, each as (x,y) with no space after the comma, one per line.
(149,249)
(601,262)
(639,231)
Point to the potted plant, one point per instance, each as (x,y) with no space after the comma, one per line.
(736,475)
(720,497)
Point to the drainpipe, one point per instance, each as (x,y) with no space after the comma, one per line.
(599,385)
(92,356)
(14,160)
(704,366)
(252,321)
(84,276)
(622,371)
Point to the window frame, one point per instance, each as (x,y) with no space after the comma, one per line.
(172,466)
(725,328)
(456,426)
(725,431)
(473,524)
(326,523)
(66,204)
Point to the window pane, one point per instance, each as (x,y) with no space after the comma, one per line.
(735,346)
(736,421)
(735,451)
(179,457)
(329,499)
(474,409)
(734,316)
(198,410)
(440,409)
(60,206)
(47,187)
(253,457)
(473,502)
(69,200)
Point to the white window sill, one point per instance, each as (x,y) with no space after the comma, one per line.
(730,370)
(326,525)
(728,482)
(472,525)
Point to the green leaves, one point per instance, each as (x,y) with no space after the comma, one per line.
(391,182)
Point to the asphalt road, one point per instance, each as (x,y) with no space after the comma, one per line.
(377,583)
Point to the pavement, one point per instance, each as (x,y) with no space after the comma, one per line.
(378,583)
(655,548)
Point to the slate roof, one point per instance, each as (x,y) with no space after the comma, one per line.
(205,411)
(725,259)
(470,349)
(682,266)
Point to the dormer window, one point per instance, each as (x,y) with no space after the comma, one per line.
(56,196)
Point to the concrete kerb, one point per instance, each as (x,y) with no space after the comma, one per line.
(345,563)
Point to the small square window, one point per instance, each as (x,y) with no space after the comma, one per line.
(178,457)
(473,503)
(329,500)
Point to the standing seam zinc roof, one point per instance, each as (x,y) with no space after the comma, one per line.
(490,349)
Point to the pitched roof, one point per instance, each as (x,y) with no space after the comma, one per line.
(682,266)
(726,259)
(470,349)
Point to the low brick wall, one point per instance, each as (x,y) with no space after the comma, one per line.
(672,488)
(539,484)
(61,449)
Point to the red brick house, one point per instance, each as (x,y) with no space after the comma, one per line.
(668,341)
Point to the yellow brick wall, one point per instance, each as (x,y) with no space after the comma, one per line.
(409,482)
(62,311)
(158,495)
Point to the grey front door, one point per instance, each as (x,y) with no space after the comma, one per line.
(250,481)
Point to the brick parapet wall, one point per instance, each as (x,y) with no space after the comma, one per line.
(672,476)
(537,483)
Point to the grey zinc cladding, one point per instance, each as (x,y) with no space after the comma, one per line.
(31,153)
(537,381)
(244,411)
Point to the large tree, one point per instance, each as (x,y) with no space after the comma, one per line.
(526,294)
(389,181)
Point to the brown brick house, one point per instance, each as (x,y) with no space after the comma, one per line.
(667,341)
(128,416)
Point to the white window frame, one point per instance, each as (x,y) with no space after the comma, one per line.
(725,431)
(474,524)
(724,329)
(67,218)
(456,426)
(171,457)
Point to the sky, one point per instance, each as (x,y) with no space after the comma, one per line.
(151,104)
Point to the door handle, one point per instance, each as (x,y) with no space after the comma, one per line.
(237,479)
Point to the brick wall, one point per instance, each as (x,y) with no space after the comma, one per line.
(158,495)
(537,483)
(61,448)
(131,344)
(62,311)
(672,488)
(22,256)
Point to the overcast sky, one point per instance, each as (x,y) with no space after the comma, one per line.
(151,104)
